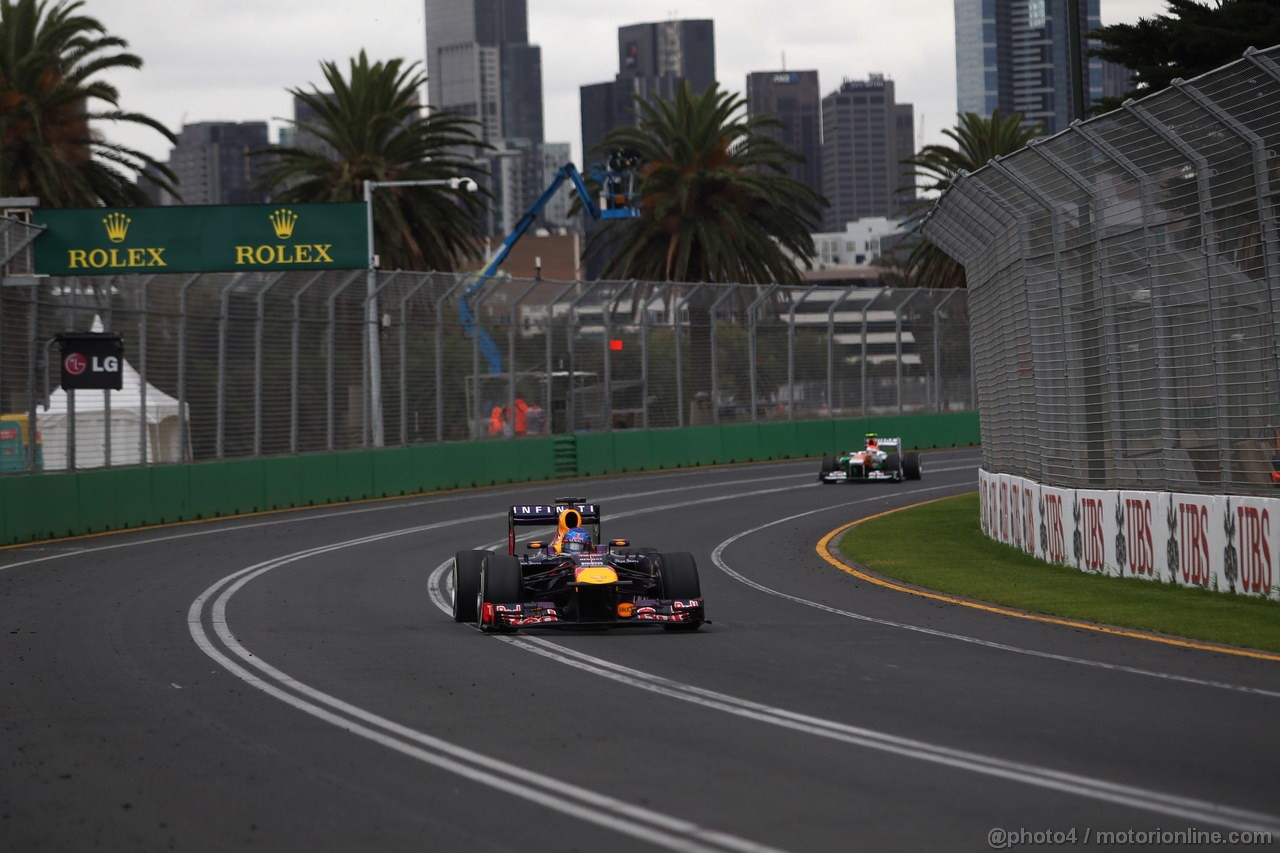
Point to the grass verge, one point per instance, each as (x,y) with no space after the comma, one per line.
(940,546)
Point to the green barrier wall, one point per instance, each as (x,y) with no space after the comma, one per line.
(49,506)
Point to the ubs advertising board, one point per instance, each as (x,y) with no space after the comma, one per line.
(1215,542)
(201,238)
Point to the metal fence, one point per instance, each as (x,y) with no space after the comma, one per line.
(238,365)
(1124,277)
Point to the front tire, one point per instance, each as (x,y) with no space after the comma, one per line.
(828,465)
(501,582)
(466,583)
(678,577)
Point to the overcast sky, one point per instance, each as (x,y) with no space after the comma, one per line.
(235,60)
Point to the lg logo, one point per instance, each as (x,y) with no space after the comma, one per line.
(76,364)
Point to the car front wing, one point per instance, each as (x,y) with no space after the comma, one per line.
(629,613)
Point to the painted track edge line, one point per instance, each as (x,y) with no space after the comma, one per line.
(861,572)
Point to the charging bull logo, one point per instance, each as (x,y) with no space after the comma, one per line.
(1122,551)
(1230,563)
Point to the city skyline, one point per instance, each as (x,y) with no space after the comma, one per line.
(254,68)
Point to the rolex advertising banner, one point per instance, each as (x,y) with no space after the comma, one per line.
(212,238)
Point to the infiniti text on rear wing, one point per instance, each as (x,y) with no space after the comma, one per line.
(527,514)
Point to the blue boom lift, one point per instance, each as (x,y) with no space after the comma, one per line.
(616,201)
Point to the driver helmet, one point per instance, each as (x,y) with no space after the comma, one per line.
(872,441)
(576,541)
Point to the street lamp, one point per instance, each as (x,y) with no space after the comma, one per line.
(371,305)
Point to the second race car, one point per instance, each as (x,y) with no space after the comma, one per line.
(574,579)
(881,458)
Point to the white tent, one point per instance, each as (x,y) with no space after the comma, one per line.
(123,411)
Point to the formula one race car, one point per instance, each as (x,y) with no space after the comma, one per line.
(572,580)
(880,459)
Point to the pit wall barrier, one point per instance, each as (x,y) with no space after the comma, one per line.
(35,507)
(1217,542)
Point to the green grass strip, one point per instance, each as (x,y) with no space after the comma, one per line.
(940,546)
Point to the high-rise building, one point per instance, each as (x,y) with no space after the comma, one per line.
(558,215)
(793,97)
(480,65)
(684,49)
(1014,56)
(866,135)
(300,134)
(213,163)
(653,59)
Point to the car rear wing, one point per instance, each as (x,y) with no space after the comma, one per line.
(562,512)
(524,515)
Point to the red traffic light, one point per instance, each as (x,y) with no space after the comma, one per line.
(615,344)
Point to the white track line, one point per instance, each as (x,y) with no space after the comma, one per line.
(1184,808)
(717,557)
(73,550)
(592,806)
(625,817)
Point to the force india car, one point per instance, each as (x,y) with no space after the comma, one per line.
(880,459)
(609,584)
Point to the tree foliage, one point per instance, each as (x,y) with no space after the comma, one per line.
(1191,39)
(375,130)
(716,204)
(977,141)
(50,59)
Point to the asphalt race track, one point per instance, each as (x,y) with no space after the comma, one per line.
(293,682)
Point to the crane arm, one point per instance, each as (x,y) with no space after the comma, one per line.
(615,203)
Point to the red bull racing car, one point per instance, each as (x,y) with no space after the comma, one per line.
(574,578)
(881,458)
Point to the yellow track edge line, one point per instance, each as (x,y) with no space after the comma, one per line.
(824,551)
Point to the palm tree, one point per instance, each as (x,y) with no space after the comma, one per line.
(715,204)
(49,56)
(977,141)
(375,130)
(1192,38)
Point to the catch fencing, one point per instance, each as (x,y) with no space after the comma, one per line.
(1124,280)
(224,366)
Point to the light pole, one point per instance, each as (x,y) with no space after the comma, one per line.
(371,290)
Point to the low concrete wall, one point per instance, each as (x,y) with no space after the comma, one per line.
(48,506)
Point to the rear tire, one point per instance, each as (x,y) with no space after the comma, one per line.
(678,576)
(466,583)
(501,582)
(911,467)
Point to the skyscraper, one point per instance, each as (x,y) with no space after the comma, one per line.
(1014,55)
(300,135)
(683,49)
(793,97)
(480,65)
(865,136)
(213,164)
(653,59)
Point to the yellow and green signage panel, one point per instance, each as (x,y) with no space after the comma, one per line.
(213,238)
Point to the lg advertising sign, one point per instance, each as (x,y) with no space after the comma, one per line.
(92,360)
